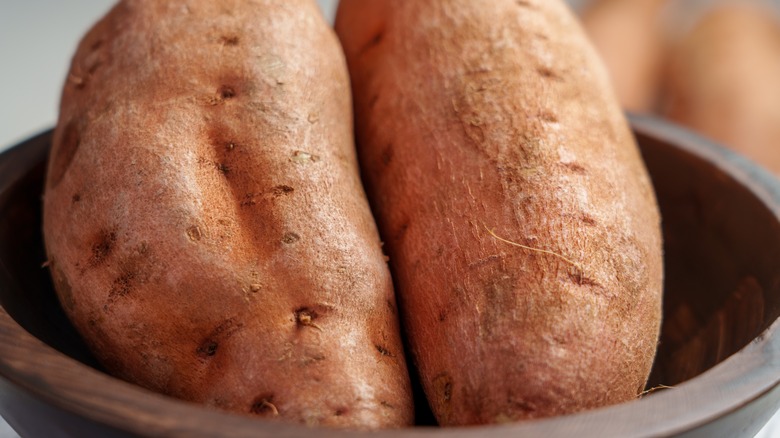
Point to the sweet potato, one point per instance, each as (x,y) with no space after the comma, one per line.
(483,125)
(629,38)
(723,80)
(206,225)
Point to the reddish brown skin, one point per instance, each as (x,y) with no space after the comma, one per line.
(497,114)
(207,230)
(723,81)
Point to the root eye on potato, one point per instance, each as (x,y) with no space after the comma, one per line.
(208,349)
(306,317)
(227,92)
(231,40)
(264,406)
(230,208)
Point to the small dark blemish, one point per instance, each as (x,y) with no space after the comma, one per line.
(373,42)
(93,68)
(102,247)
(383,351)
(249,200)
(263,405)
(143,249)
(312,359)
(305,316)
(76,198)
(589,220)
(387,155)
(386,404)
(226,329)
(443,385)
(207,349)
(524,406)
(542,36)
(372,102)
(282,190)
(229,40)
(580,279)
(227,92)
(340,412)
(575,167)
(194,233)
(290,238)
(223,168)
(548,116)
(548,73)
(402,229)
(377,38)
(122,286)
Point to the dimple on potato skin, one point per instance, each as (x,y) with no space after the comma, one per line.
(204,218)
(519,218)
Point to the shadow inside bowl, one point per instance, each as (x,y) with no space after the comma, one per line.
(27,293)
(721,258)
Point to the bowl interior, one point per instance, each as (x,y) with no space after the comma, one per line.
(722,247)
(721,253)
(27,293)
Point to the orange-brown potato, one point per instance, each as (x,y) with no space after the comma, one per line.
(206,226)
(487,124)
(724,80)
(629,38)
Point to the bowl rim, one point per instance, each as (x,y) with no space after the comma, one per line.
(56,379)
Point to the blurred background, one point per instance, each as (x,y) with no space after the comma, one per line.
(712,65)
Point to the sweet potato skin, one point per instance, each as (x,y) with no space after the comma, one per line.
(495,115)
(207,229)
(723,80)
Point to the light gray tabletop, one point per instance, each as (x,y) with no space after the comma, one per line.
(37,39)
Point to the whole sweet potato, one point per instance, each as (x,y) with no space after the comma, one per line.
(724,80)
(207,229)
(629,38)
(519,218)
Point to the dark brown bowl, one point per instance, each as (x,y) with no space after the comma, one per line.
(720,346)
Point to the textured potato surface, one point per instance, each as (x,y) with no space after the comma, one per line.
(207,229)
(483,125)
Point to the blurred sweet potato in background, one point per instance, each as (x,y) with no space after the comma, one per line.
(723,80)
(629,36)
(713,66)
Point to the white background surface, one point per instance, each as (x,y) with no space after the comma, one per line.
(37,39)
